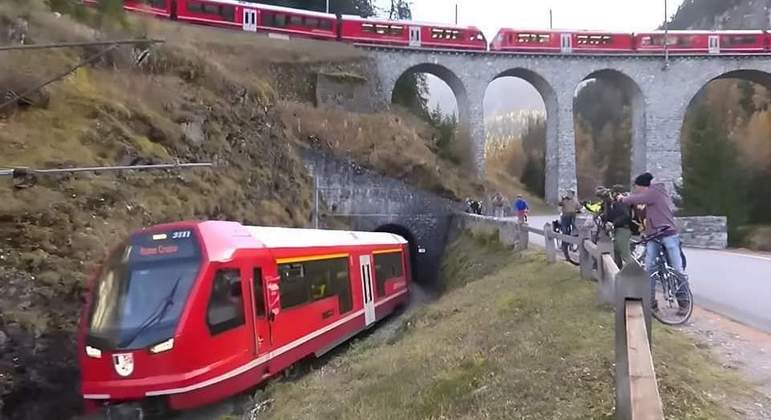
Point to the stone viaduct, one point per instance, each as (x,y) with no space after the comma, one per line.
(659,97)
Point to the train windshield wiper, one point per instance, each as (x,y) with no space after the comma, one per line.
(155,317)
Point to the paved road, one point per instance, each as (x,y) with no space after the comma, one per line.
(731,283)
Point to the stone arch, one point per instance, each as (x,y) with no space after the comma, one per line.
(639,151)
(448,77)
(404,232)
(697,92)
(549,96)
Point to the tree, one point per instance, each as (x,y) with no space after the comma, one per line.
(400,9)
(534,144)
(713,180)
(411,92)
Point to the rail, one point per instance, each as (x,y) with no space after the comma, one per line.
(628,291)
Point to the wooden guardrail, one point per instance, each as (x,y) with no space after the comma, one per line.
(628,290)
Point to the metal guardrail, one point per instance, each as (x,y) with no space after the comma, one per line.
(628,290)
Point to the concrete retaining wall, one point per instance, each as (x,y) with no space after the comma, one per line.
(508,230)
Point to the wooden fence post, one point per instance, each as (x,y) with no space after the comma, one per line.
(586,259)
(632,283)
(524,235)
(551,251)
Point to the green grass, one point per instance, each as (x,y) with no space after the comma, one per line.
(526,340)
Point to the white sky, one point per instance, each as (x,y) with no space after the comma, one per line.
(491,15)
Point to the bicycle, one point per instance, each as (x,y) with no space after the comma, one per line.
(569,250)
(673,299)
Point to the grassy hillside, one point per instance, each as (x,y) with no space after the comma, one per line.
(517,338)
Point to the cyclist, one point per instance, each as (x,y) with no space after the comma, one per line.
(659,223)
(619,215)
(569,207)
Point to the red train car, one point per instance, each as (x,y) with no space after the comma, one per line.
(703,42)
(253,17)
(565,42)
(411,34)
(194,312)
(250,17)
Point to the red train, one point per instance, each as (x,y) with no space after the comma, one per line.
(287,22)
(284,22)
(190,313)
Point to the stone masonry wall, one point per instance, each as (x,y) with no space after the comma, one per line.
(710,232)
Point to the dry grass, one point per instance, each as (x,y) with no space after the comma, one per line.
(395,144)
(524,341)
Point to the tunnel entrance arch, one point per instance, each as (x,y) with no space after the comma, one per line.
(405,233)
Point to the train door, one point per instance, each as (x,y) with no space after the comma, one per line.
(365,264)
(250,20)
(714,44)
(415,36)
(566,43)
(262,337)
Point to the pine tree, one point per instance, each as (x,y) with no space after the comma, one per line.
(713,179)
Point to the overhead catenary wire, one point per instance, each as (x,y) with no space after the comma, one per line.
(79,44)
(17,172)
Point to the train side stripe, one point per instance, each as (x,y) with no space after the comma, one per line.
(267,357)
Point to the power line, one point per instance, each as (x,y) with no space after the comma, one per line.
(79,44)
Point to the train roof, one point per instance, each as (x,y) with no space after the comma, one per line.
(276,8)
(222,239)
(276,237)
(703,32)
(408,22)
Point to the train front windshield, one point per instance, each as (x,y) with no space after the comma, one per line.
(142,289)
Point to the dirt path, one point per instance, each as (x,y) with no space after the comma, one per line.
(740,348)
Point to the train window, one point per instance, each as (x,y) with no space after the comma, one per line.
(279,20)
(295,20)
(381,29)
(740,40)
(259,294)
(437,33)
(396,30)
(311,22)
(226,302)
(368,27)
(387,266)
(310,281)
(325,25)
(544,38)
(212,9)
(158,4)
(195,7)
(228,13)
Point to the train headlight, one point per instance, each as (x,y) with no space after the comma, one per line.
(161,347)
(93,352)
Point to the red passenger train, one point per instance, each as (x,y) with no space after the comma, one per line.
(287,22)
(194,312)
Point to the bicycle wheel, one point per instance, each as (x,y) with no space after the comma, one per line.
(638,252)
(673,298)
(571,253)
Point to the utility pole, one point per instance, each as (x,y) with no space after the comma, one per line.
(327,6)
(551,19)
(316,204)
(456,12)
(666,36)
